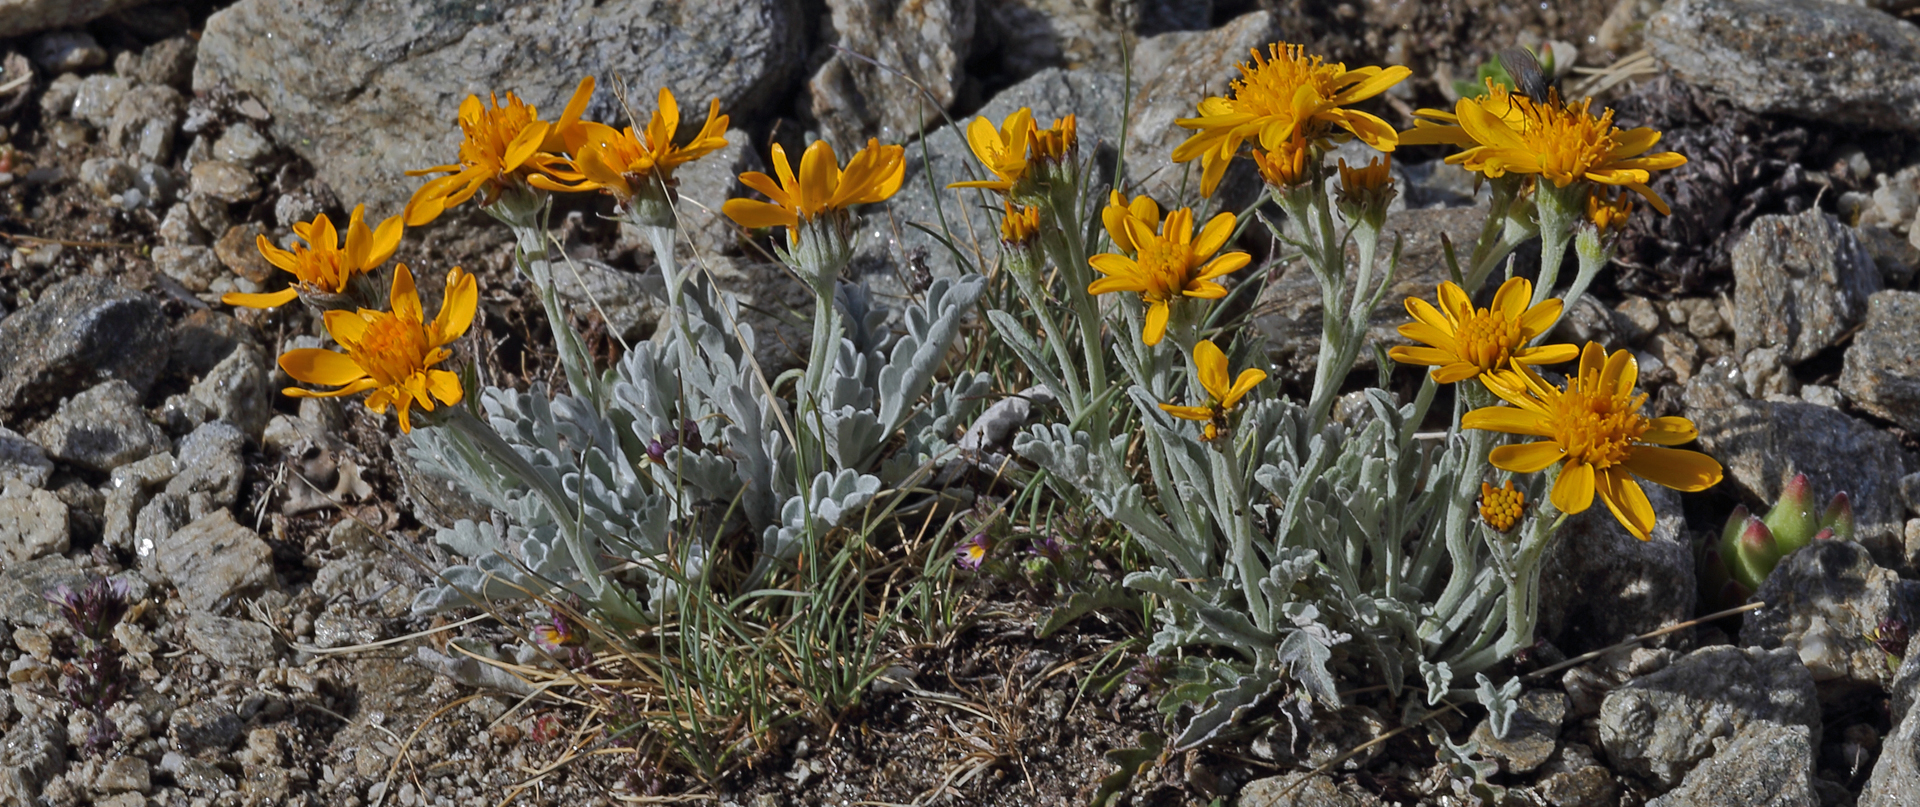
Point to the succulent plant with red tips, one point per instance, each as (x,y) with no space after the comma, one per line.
(1733,567)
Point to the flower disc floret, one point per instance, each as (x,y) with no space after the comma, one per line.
(1280,94)
(504,144)
(1169,265)
(1463,342)
(324,264)
(1593,426)
(391,353)
(873,175)
(1020,225)
(1608,212)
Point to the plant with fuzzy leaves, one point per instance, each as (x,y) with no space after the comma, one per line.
(1733,567)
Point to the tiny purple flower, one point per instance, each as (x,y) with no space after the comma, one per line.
(1049,547)
(973,551)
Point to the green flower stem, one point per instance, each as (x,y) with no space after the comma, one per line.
(1593,253)
(1037,302)
(1559,209)
(1236,516)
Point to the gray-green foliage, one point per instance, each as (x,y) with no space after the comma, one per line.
(758,463)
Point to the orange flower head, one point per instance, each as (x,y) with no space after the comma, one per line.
(324,264)
(1555,141)
(1609,211)
(1169,265)
(392,353)
(1003,150)
(821,187)
(1280,94)
(1055,145)
(1289,166)
(1501,507)
(1462,342)
(1594,428)
(1020,226)
(623,162)
(504,144)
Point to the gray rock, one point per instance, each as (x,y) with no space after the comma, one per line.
(1600,585)
(82,331)
(168,62)
(194,267)
(1531,736)
(210,463)
(178,229)
(235,391)
(224,181)
(96,98)
(855,99)
(33,524)
(101,429)
(888,247)
(19,17)
(125,774)
(31,753)
(233,642)
(1761,765)
(66,51)
(624,299)
(1879,372)
(1662,725)
(1823,602)
(1028,36)
(1896,776)
(1290,306)
(24,586)
(1173,73)
(23,459)
(242,144)
(203,339)
(213,560)
(145,122)
(107,176)
(128,491)
(159,519)
(1840,64)
(1897,257)
(1799,283)
(1288,790)
(238,249)
(364,97)
(1763,444)
(203,725)
(339,630)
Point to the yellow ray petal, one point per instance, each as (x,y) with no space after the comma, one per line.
(1670,431)
(1210,365)
(1573,491)
(1509,419)
(1525,458)
(316,366)
(269,300)
(1627,501)
(1674,467)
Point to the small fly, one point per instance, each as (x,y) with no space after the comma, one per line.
(1528,79)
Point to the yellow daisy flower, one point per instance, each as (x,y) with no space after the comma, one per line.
(1501,507)
(1561,142)
(1211,365)
(1003,151)
(1169,265)
(872,175)
(617,160)
(1279,94)
(1594,425)
(390,352)
(1118,210)
(504,144)
(324,265)
(1464,342)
